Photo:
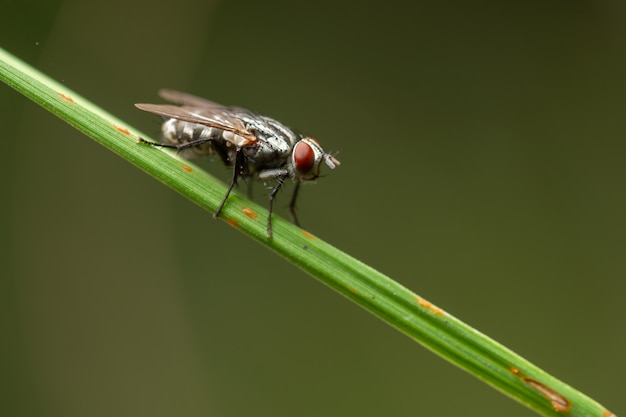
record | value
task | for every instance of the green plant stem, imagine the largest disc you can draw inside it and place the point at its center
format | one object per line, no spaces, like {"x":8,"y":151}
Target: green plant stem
{"x":380,"y":295}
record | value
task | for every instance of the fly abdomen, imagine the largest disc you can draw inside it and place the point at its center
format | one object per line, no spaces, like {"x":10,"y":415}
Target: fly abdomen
{"x":179,"y":132}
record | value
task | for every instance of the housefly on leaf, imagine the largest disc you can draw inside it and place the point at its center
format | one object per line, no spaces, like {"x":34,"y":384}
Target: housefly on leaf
{"x":252,"y":144}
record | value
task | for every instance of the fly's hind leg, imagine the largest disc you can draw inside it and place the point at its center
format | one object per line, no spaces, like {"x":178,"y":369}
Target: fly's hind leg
{"x":179,"y":146}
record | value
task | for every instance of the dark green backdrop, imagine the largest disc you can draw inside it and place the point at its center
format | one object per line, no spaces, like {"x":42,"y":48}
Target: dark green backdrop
{"x":482,"y":149}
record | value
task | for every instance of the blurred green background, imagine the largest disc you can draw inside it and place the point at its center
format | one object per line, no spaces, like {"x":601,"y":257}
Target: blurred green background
{"x":482,"y":149}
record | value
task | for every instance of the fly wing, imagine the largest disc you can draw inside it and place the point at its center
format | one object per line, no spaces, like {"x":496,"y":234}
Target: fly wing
{"x":185,"y":99}
{"x":216,"y":116}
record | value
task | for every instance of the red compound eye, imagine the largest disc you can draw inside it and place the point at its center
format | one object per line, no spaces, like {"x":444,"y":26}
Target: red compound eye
{"x":303,"y":157}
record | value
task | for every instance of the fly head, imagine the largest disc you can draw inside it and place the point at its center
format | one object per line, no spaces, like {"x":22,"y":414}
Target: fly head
{"x":306,"y":158}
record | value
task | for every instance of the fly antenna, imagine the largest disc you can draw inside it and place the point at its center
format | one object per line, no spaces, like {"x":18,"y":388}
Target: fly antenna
{"x":331,"y":161}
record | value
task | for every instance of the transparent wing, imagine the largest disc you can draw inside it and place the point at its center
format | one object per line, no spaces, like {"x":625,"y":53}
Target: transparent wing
{"x":215,"y":115}
{"x":185,"y":99}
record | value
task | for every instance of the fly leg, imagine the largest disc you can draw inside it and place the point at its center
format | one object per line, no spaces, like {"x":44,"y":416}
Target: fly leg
{"x":179,"y":147}
{"x":292,"y":204}
{"x":280,"y":181}
{"x":249,"y":189}
{"x":238,"y":168}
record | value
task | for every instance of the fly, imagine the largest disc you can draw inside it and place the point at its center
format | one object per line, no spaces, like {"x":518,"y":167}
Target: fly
{"x":248,"y":142}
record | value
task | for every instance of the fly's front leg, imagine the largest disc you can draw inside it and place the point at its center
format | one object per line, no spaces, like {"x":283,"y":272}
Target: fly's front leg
{"x":292,"y":205}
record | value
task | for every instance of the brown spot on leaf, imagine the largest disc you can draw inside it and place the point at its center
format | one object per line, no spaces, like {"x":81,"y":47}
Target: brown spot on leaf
{"x":429,"y":306}
{"x":249,"y":212}
{"x":121,"y":129}
{"x":66,"y":98}
{"x":558,"y":401}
